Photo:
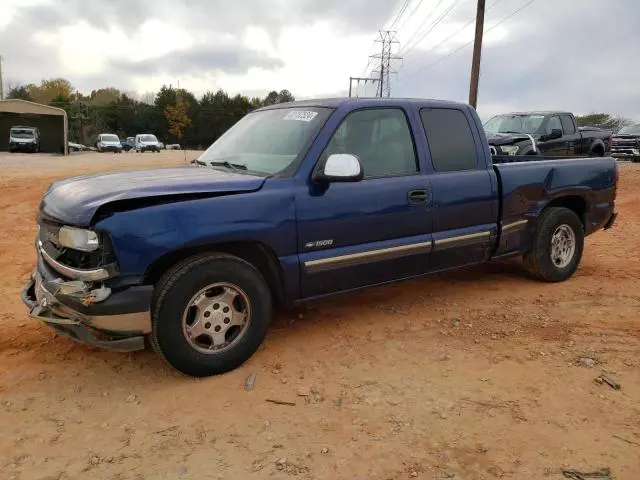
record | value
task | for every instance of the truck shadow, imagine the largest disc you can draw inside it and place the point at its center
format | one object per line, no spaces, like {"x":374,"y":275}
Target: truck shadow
{"x":292,"y":328}
{"x":447,"y":287}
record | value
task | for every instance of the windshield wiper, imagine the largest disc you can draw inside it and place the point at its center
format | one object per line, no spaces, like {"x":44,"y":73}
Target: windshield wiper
{"x":232,"y":166}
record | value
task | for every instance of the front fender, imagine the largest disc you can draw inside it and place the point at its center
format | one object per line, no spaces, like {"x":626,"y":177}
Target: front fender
{"x":140,"y":237}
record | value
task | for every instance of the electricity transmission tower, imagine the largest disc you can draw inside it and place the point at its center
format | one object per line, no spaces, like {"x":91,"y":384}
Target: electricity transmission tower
{"x":384,"y":69}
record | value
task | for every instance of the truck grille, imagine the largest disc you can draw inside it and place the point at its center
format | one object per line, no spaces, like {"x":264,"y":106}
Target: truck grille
{"x":625,"y":143}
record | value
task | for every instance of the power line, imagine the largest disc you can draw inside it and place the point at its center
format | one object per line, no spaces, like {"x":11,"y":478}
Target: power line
{"x":426,"y":67}
{"x":432,"y":27}
{"x":452,"y":35}
{"x":424,"y":22}
{"x":400,"y":13}
{"x":404,"y":22}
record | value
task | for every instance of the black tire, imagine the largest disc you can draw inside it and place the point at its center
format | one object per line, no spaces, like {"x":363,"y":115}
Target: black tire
{"x":171,"y":298}
{"x":539,"y":261}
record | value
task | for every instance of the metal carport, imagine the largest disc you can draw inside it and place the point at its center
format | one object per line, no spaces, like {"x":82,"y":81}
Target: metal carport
{"x":51,"y":121}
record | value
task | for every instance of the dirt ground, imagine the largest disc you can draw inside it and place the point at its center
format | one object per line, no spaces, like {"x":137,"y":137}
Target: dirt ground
{"x":478,"y":374}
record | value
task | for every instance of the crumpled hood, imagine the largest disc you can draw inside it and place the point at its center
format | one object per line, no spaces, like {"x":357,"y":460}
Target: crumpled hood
{"x":505,"y":138}
{"x":75,"y":200}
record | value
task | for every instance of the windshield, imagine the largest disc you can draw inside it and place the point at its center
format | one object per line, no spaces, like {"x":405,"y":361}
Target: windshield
{"x":630,"y":130}
{"x":267,"y":141}
{"x":148,"y":138}
{"x":21,"y":133}
{"x":110,"y":138}
{"x":529,"y":124}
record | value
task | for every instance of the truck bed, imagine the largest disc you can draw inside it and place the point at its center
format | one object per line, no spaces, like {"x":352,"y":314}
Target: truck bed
{"x":529,"y":183}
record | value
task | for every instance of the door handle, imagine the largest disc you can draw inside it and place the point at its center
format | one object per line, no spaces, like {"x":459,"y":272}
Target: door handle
{"x":417,"y":197}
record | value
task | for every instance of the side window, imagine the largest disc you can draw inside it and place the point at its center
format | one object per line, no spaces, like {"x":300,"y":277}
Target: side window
{"x":450,"y":139}
{"x":553,"y":124}
{"x":567,"y":125}
{"x":380,"y":138}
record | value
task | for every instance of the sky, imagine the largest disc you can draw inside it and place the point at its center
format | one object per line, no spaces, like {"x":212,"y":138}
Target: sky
{"x":575,"y":55}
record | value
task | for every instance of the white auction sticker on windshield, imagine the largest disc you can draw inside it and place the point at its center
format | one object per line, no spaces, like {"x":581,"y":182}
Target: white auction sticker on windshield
{"x":301,"y":115}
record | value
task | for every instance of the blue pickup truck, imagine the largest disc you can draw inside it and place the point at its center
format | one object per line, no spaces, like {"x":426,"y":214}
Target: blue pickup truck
{"x":295,"y":202}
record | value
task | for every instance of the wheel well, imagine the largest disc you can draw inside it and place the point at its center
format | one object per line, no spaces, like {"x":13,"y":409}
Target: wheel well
{"x":577,"y":204}
{"x":598,"y":149}
{"x":257,"y":254}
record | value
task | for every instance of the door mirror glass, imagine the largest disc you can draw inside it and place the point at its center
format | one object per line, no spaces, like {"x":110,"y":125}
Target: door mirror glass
{"x":339,"y":167}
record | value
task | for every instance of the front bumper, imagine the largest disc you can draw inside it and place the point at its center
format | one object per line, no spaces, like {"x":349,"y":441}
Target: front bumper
{"x":111,"y":148}
{"x":23,"y":147}
{"x":625,"y":151}
{"x":611,"y":221}
{"x":117,"y":322}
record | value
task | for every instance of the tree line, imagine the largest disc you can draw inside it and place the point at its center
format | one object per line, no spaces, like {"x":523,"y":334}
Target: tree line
{"x":173,"y":115}
{"x":604,"y":121}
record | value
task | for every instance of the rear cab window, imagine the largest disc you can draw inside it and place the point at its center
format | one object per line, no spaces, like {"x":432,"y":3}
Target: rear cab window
{"x":567,"y":124}
{"x":450,"y":139}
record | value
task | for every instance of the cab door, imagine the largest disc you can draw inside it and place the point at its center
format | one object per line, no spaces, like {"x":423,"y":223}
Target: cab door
{"x":376,"y":230}
{"x":556,"y":147}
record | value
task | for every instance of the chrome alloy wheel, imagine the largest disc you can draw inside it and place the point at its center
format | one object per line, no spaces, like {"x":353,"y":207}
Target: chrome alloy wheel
{"x":216,"y":318}
{"x":563,"y":246}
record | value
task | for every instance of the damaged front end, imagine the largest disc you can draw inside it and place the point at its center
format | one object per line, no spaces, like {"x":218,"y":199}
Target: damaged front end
{"x":78,"y":295}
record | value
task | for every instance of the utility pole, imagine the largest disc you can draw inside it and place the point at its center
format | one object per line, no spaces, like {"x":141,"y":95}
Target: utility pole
{"x":477,"y":53}
{"x":382,"y":67}
{"x":388,"y":40}
{"x":358,"y":80}
{"x":1,"y":82}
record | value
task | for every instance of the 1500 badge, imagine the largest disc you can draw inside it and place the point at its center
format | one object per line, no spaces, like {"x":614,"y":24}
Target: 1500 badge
{"x":319,"y":244}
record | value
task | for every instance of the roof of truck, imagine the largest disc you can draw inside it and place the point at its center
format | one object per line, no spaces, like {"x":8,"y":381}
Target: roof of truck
{"x":539,"y":112}
{"x":360,"y":101}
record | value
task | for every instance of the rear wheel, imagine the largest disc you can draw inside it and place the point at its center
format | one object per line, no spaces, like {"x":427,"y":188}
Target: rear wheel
{"x":557,"y":248}
{"x":210,"y":314}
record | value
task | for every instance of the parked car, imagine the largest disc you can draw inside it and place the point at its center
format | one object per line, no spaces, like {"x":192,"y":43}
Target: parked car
{"x":76,"y":147}
{"x":161,"y":146}
{"x":299,"y":201}
{"x":24,"y":139}
{"x":147,"y":142}
{"x":127,"y":145}
{"x":108,"y":142}
{"x":544,"y":133}
{"x":626,"y":143}
{"x":173,"y":146}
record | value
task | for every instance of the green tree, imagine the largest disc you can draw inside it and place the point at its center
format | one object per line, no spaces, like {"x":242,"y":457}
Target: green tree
{"x":20,"y":92}
{"x":603,"y":120}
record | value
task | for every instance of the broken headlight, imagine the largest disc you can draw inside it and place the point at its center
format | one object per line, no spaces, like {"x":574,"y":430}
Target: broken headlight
{"x":78,"y":239}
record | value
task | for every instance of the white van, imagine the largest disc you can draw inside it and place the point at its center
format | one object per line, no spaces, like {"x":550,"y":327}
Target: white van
{"x":25,"y":139}
{"x":108,"y":142}
{"x":147,"y":142}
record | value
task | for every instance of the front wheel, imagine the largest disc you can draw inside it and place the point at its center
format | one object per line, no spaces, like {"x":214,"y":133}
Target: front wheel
{"x":210,"y":314}
{"x":557,"y":248}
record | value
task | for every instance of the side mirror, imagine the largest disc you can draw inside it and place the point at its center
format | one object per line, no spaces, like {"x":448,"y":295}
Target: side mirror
{"x":555,"y":133}
{"x":339,"y":167}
